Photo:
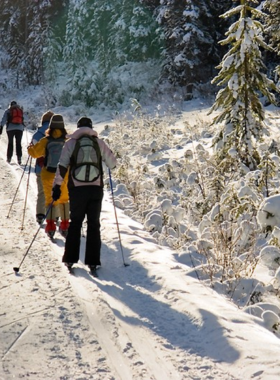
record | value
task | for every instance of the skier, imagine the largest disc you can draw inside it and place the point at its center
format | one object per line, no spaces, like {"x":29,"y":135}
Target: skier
{"x":40,"y":205}
{"x":13,"y":118}
{"x":50,"y":148}
{"x":85,"y":185}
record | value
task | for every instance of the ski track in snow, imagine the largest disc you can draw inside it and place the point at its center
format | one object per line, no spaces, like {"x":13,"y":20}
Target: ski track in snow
{"x":84,"y":327}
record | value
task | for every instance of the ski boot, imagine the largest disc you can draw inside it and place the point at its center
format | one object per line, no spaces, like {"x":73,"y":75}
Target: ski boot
{"x":92,"y":270}
{"x":69,"y":266}
{"x":63,"y":228}
{"x":50,"y":228}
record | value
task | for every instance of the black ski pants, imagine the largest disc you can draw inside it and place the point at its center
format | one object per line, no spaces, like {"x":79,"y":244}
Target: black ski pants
{"x":18,"y":137}
{"x":84,"y":201}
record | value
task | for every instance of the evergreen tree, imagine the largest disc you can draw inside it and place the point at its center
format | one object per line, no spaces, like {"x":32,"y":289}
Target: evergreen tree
{"x":36,"y":34}
{"x":101,"y":30}
{"x":241,"y":72}
{"x":191,"y":39}
{"x":272,"y":25}
{"x":151,"y":4}
{"x":86,"y":41}
{"x":217,"y":28}
{"x":25,"y":26}
{"x":135,"y":35}
{"x":75,"y":52}
{"x":14,"y":16}
{"x":102,"y":36}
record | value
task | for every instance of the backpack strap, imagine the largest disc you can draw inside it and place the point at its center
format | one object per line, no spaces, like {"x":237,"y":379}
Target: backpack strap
{"x":46,"y":151}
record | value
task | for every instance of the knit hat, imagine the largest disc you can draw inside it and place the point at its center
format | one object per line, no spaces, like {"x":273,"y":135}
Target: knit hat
{"x":13,"y":103}
{"x":57,"y":122}
{"x":47,"y":116}
{"x":84,"y":122}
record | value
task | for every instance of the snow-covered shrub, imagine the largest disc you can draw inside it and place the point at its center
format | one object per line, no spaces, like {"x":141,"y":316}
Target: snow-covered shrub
{"x":153,"y":221}
{"x":268,"y":215}
{"x":271,"y":321}
{"x":263,"y":311}
{"x":270,"y":256}
{"x":275,"y":237}
{"x":218,"y":200}
{"x":276,"y":280}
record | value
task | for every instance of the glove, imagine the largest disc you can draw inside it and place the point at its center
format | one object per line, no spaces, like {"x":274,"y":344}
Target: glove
{"x":56,"y":192}
{"x":1,"y":129}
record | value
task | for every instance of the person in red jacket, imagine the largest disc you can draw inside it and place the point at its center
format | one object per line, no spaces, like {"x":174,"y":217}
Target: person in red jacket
{"x":13,"y":118}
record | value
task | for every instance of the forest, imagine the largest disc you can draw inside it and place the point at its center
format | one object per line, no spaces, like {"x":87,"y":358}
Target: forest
{"x":97,"y":42}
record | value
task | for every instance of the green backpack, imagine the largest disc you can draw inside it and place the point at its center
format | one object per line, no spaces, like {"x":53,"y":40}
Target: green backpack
{"x":86,"y":161}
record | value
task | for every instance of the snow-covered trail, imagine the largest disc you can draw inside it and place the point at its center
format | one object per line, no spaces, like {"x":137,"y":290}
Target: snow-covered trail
{"x":146,"y":321}
{"x":57,"y":326}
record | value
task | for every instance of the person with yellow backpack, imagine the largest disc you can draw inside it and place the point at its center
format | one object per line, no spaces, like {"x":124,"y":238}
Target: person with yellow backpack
{"x":50,"y":148}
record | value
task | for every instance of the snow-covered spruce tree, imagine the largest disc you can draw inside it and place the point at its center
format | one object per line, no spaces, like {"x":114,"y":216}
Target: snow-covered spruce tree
{"x":243,"y":80}
{"x":87,"y":53}
{"x":35,"y":44}
{"x":151,"y":4}
{"x":272,"y":26}
{"x":100,"y":26}
{"x":75,"y":52}
{"x":217,"y":27}
{"x":191,"y":51}
{"x":14,"y":34}
{"x":24,"y":35}
{"x":103,"y":40}
{"x":46,"y":31}
{"x":135,"y":34}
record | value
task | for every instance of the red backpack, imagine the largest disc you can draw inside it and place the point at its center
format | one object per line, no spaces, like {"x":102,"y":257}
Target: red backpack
{"x":16,"y":115}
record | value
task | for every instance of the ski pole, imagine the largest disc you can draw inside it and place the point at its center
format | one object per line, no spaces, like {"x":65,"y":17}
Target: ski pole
{"x":27,"y":187}
{"x":111,"y":185}
{"x":29,"y":157}
{"x":83,"y":232}
{"x":16,"y":269}
{"x":26,"y":133}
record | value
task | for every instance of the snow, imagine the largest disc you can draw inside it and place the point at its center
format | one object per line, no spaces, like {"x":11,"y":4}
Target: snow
{"x":269,"y":212}
{"x":156,"y":319}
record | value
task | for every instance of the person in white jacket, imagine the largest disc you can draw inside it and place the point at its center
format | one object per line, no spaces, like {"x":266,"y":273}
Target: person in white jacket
{"x":85,"y":192}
